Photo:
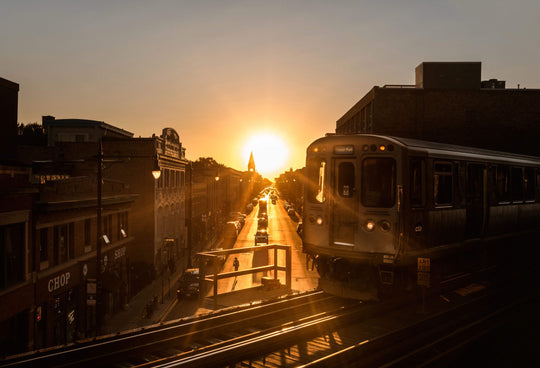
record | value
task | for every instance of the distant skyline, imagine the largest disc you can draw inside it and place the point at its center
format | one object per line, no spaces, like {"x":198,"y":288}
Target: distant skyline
{"x":223,"y":74}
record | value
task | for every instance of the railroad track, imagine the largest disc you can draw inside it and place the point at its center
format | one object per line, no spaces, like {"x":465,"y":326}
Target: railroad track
{"x":312,"y":329}
{"x":390,"y":334}
{"x":138,"y":347}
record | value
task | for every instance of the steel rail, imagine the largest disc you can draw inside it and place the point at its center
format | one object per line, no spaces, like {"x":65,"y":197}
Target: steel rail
{"x":253,"y":345}
{"x":427,"y":342}
{"x":112,"y":345}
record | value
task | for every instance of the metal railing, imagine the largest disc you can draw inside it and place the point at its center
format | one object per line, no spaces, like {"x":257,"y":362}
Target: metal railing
{"x":212,"y":276}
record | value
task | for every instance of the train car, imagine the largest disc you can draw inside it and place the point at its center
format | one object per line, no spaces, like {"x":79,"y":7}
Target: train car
{"x":375,"y":205}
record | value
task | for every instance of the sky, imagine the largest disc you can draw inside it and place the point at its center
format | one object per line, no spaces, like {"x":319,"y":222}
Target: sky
{"x":232,"y":77}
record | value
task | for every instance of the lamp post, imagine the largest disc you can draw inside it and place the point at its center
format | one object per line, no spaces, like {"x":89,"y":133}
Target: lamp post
{"x":99,"y":235}
{"x":156,"y":173}
{"x":189,"y":214}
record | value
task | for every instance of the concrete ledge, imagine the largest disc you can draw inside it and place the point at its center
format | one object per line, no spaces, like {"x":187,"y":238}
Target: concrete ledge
{"x":249,"y":295}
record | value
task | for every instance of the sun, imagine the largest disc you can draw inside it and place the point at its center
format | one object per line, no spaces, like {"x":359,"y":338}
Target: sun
{"x":269,"y":152}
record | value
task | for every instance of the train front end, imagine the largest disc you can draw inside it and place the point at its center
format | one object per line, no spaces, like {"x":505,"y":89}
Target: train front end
{"x":351,"y":213}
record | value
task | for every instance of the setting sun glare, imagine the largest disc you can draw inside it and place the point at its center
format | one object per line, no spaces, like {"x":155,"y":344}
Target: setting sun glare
{"x":269,"y":152}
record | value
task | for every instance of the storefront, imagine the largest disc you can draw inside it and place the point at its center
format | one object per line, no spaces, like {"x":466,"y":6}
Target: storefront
{"x":57,"y":307}
{"x":114,"y":280}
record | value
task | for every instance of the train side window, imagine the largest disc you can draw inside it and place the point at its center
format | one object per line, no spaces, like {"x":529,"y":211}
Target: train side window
{"x":530,"y":184}
{"x":442,"y":184}
{"x":378,"y":182}
{"x":492,"y":185}
{"x":316,"y":175}
{"x":417,"y":171}
{"x":503,"y":184}
{"x":537,"y":185}
{"x":346,"y":179}
{"x":517,"y":184}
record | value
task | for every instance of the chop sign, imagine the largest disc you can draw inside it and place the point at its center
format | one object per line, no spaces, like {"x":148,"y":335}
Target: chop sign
{"x":58,"y":282}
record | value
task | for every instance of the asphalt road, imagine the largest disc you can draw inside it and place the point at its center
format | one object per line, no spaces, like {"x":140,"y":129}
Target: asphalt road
{"x":282,"y":230}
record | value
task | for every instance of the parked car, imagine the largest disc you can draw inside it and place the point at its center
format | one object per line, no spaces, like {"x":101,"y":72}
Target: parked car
{"x":188,"y":284}
{"x":292,"y":214}
{"x":239,"y":217}
{"x":299,"y":228}
{"x":261,"y":236}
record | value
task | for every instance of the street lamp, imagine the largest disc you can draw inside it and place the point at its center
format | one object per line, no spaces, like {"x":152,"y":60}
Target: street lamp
{"x":189,"y":209}
{"x":156,"y":171}
{"x":99,"y":236}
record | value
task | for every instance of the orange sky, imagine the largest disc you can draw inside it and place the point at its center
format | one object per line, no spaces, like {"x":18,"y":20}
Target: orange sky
{"x":220,"y":72}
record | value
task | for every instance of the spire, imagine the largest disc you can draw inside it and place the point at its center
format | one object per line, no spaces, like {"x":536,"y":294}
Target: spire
{"x":251,"y":163}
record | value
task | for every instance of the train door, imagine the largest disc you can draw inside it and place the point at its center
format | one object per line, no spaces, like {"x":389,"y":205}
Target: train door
{"x":475,"y":190}
{"x":415,"y":219}
{"x":345,"y":203}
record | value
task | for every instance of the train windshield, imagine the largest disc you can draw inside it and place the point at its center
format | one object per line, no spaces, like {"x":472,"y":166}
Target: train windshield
{"x":378,"y":182}
{"x":316,"y":171}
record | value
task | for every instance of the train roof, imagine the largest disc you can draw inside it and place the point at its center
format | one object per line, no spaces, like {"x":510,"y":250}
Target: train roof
{"x":441,"y":149}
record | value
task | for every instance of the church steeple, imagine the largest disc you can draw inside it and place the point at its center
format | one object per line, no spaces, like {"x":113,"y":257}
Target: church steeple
{"x":251,"y":163}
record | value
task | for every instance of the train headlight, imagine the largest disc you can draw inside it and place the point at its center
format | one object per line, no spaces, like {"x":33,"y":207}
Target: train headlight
{"x":370,"y":225}
{"x":319,"y":220}
{"x":385,"y":225}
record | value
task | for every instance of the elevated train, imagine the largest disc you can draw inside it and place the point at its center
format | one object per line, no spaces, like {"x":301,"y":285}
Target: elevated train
{"x":374,"y":205}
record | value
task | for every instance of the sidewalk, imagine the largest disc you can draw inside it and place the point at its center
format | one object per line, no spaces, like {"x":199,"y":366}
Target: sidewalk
{"x":135,"y":315}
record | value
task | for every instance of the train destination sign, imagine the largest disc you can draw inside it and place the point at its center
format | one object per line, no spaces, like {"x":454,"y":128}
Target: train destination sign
{"x":344,"y":150}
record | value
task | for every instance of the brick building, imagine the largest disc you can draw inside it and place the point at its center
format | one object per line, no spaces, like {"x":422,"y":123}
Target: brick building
{"x":48,"y":243}
{"x":158,"y":214}
{"x":449,"y":103}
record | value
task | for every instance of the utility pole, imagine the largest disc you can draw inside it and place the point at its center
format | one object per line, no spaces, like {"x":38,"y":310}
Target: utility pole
{"x":189,"y":214}
{"x":99,"y":237}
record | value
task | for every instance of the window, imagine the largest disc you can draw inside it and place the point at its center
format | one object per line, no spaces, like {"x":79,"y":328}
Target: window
{"x":88,"y":233}
{"x":346,"y":179}
{"x":417,"y":168}
{"x":12,"y":250}
{"x":503,"y":184}
{"x":316,"y":174}
{"x":442,"y":184}
{"x":378,"y":182}
{"x":529,"y":179}
{"x":43,"y":245}
{"x":517,"y":184}
{"x":538,"y":185}
{"x":64,"y":247}
{"x":61,"y":243}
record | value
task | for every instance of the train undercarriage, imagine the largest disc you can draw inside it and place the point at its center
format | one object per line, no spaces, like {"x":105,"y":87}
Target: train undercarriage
{"x":371,"y":282}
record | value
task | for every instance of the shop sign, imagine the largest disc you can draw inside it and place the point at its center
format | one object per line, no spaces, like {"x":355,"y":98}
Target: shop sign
{"x":58,"y":282}
{"x":119,"y":253}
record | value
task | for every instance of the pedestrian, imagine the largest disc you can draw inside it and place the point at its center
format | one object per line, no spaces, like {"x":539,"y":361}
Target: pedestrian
{"x":236,"y":264}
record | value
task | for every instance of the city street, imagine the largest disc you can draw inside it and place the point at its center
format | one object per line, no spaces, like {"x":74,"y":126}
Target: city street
{"x":281,"y":230}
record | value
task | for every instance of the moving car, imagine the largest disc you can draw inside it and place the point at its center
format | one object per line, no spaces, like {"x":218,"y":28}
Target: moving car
{"x":261,"y":236}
